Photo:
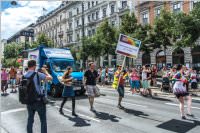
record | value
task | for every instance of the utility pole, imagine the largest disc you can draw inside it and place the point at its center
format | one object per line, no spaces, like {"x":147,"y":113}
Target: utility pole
{"x":83,"y":31}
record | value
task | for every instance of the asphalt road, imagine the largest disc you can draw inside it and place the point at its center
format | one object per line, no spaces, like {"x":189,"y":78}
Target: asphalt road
{"x":142,"y":115}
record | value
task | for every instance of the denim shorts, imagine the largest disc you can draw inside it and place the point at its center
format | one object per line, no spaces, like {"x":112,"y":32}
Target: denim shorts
{"x":12,"y":81}
{"x":135,"y":84}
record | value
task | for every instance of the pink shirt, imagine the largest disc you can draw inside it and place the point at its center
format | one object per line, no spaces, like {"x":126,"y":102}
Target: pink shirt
{"x":4,"y":75}
{"x":134,"y":76}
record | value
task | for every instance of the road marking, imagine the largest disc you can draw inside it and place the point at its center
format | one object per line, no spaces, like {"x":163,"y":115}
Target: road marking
{"x":13,"y":111}
{"x":85,"y":116}
{"x":125,"y":102}
{"x":173,"y":104}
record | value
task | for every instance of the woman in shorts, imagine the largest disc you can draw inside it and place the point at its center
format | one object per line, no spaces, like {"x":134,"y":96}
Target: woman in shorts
{"x":179,"y":89}
{"x":135,"y":81}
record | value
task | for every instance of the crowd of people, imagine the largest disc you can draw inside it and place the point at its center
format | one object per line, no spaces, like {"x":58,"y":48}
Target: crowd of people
{"x":139,"y":79}
{"x":10,"y":77}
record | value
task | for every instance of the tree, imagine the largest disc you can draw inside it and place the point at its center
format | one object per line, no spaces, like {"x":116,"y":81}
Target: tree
{"x":12,"y":50}
{"x":44,"y":40}
{"x":163,"y":30}
{"x":11,"y":54}
{"x":106,"y":38}
{"x":129,"y":24}
{"x":185,"y":30}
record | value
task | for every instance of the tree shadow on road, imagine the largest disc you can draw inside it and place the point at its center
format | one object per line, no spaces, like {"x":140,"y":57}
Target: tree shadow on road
{"x":106,"y":116}
{"x":79,"y":122}
{"x":179,"y":126}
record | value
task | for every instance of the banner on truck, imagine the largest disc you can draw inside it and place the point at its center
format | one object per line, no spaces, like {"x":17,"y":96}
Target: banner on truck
{"x":128,"y":46}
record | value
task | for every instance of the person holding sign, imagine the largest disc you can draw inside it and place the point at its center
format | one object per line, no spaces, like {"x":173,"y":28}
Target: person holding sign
{"x":179,"y":89}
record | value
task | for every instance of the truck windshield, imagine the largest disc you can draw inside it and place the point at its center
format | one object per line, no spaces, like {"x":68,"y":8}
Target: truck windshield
{"x":61,"y":65}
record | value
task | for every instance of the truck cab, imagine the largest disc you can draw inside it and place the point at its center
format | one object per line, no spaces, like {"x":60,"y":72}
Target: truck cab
{"x":57,"y":60}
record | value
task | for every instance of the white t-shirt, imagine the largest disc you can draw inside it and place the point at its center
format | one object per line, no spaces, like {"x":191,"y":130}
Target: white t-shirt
{"x":144,"y":75}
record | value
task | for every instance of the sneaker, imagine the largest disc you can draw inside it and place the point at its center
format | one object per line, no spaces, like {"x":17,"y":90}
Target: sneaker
{"x":183,"y":117}
{"x":92,"y":109}
{"x":74,"y":114}
{"x":61,"y":112}
{"x":190,"y":115}
{"x":120,"y":107}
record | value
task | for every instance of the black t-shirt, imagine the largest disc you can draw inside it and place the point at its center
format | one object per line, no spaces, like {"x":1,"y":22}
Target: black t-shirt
{"x":91,"y":77}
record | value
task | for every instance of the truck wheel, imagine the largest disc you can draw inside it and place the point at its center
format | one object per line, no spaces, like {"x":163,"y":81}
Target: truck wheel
{"x":54,"y":92}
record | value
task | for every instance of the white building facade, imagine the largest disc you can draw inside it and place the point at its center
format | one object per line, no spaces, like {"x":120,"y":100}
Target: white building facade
{"x":68,"y":23}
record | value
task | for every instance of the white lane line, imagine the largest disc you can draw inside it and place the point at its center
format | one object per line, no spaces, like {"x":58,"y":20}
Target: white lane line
{"x":85,"y":116}
{"x":173,"y":104}
{"x":125,"y":102}
{"x":13,"y":111}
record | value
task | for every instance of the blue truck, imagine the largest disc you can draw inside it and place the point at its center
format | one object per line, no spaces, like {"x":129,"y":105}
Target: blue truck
{"x":56,"y":60}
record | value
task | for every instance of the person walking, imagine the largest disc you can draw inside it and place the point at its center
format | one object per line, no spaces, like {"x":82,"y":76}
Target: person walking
{"x":12,"y":77}
{"x":91,"y":77}
{"x":135,"y":81}
{"x":38,"y":106}
{"x":145,"y":83}
{"x":4,"y":81}
{"x":103,"y":76}
{"x":180,"y":91}
{"x":120,"y":89}
{"x":154,"y":75}
{"x":68,"y":90}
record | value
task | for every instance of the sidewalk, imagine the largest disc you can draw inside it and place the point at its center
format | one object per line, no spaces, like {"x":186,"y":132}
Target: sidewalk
{"x":157,"y":92}
{"x":3,"y":130}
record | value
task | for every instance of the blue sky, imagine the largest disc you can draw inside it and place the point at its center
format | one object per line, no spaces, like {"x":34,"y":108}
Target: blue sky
{"x":15,"y":18}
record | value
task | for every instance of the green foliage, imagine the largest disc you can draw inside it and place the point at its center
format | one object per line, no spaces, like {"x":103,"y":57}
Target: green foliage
{"x":12,"y":50}
{"x":44,"y":40}
{"x":106,"y":38}
{"x":129,"y":24}
{"x":163,"y":29}
{"x":11,"y":54}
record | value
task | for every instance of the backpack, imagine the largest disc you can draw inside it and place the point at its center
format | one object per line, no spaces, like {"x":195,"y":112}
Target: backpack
{"x":27,"y":91}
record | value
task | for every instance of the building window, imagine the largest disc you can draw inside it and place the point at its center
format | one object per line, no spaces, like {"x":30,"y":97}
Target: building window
{"x":70,"y":25}
{"x":93,"y":31}
{"x":97,"y":15}
{"x":112,"y":9}
{"x":88,"y":4}
{"x":145,"y":18}
{"x":93,"y":16}
{"x":124,"y":4}
{"x":113,"y":23}
{"x":96,"y":2}
{"x":104,"y":12}
{"x":177,"y":7}
{"x":88,"y":18}
{"x":77,"y":23}
{"x":70,"y":14}
{"x":89,"y":33}
{"x":77,"y":10}
{"x":157,"y":12}
{"x":60,"y":17}
{"x":78,"y":37}
{"x":92,"y":3}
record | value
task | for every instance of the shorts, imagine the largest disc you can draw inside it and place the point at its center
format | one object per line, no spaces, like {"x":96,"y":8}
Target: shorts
{"x":121,"y":90}
{"x":182,"y":95}
{"x":90,"y":89}
{"x":12,"y":81}
{"x":145,"y":84}
{"x":135,"y":84}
